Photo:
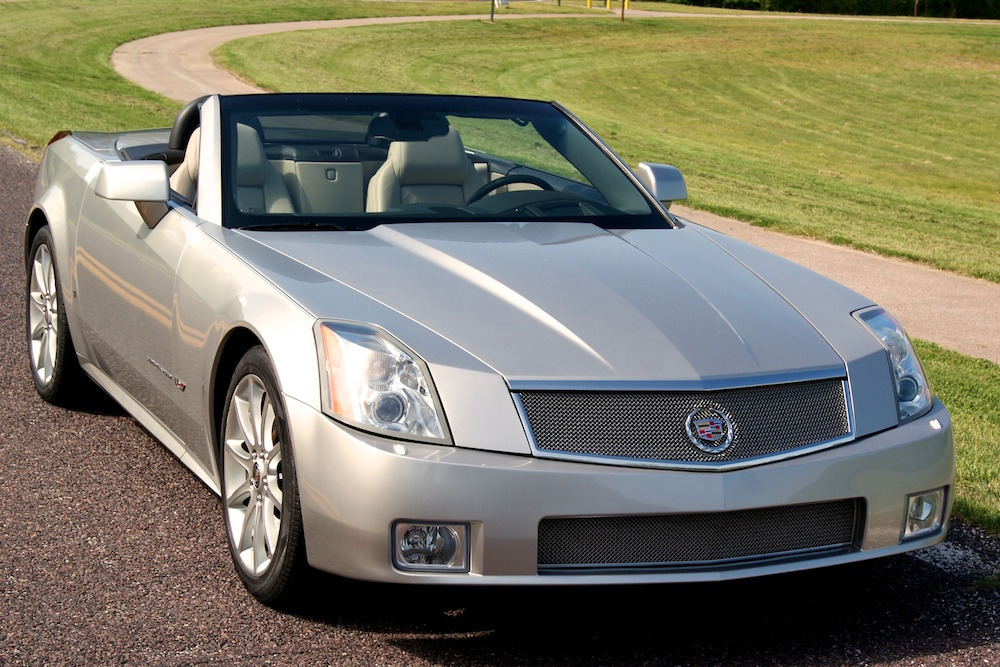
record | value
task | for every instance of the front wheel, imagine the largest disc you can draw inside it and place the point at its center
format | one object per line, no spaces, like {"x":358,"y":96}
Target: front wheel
{"x":259,"y":490}
{"x":54,"y":366}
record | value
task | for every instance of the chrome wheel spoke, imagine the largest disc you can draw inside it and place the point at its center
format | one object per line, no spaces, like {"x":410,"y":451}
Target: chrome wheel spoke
{"x":272,"y":488}
{"x":49,"y":343}
{"x":36,"y":297}
{"x":238,"y":496}
{"x":40,"y":351}
{"x":47,"y":273}
{"x":272,"y":459}
{"x":39,"y":331}
{"x":273,"y":493}
{"x":44,"y":363}
{"x":261,"y":557}
{"x":244,"y":540}
{"x":265,"y":415}
{"x":255,"y":409}
{"x":236,"y":453}
{"x":271,"y":517}
{"x":244,"y":420}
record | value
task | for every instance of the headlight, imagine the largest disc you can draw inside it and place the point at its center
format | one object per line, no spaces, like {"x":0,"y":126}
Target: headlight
{"x":372,"y":381}
{"x":912,"y":389}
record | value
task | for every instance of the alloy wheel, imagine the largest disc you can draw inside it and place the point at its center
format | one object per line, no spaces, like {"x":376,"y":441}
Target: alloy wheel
{"x":43,"y":315}
{"x":253,"y":476}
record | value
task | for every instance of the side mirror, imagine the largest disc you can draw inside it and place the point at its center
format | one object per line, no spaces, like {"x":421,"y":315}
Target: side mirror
{"x":665,"y":182}
{"x":140,"y":180}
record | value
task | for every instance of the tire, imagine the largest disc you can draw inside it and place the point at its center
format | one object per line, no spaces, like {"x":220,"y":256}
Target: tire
{"x":260,"y":501}
{"x":55,"y":368}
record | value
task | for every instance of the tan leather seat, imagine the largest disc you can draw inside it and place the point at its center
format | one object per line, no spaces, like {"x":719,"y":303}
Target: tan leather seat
{"x":184,"y":180}
{"x":259,"y":188}
{"x":436,"y":171}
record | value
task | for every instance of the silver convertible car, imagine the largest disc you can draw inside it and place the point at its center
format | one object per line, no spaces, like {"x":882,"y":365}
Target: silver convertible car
{"x":457,"y":340}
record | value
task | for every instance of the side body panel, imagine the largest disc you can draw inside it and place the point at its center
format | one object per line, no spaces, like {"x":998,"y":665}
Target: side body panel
{"x":125,"y":278}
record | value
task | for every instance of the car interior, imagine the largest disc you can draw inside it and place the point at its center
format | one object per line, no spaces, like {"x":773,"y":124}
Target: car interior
{"x":400,"y":163}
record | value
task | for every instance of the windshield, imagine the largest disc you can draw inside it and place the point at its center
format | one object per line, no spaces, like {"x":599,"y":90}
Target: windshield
{"x":356,"y":161}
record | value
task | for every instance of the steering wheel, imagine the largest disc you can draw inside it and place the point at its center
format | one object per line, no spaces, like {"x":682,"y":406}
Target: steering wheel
{"x":507,"y":180}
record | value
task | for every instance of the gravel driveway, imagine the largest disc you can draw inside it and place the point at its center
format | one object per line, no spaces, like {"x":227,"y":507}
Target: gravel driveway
{"x":112,"y":552}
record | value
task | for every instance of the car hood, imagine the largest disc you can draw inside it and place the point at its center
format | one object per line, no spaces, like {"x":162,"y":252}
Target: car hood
{"x":543,"y":303}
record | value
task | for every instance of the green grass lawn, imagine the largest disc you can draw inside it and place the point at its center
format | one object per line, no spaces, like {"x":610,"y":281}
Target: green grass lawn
{"x":616,"y":7}
{"x":671,"y":7}
{"x":881,"y":136}
{"x":54,"y":56}
{"x":971,"y":390}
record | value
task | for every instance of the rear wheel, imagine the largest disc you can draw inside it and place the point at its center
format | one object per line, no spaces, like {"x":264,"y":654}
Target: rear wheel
{"x":259,"y":490}
{"x":54,"y":366}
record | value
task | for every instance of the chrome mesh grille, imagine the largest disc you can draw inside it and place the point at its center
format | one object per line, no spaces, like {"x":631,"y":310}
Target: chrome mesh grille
{"x":651,"y":426}
{"x":679,"y":541}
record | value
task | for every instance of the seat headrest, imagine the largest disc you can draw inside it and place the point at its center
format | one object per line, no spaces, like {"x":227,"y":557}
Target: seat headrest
{"x":413,"y":126}
{"x":192,"y":155}
{"x":437,"y":161}
{"x":251,"y":161}
{"x":380,"y":131}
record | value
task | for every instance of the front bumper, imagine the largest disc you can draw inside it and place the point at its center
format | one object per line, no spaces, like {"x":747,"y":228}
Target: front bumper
{"x":353,"y":486}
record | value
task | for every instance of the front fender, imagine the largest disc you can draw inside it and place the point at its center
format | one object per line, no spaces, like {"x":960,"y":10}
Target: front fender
{"x":61,"y":188}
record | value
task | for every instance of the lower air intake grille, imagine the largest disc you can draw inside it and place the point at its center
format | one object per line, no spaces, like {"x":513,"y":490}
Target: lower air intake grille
{"x":685,"y":541}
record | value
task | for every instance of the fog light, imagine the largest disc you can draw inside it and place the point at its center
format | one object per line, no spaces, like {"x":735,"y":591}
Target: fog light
{"x":924,"y":514}
{"x":431,"y":547}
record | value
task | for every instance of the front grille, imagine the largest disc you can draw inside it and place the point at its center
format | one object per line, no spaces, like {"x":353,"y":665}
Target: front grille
{"x":674,"y":542}
{"x":651,"y":426}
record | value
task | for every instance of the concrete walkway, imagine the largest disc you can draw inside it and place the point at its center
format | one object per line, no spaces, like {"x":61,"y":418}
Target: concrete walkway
{"x":956,"y":312}
{"x":179,"y":65}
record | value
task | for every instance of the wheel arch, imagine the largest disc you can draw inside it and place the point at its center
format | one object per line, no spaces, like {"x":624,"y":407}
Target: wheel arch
{"x":36,"y":220}
{"x":236,"y":344}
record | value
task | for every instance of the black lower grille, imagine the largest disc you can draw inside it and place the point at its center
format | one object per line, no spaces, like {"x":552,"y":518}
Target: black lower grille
{"x":683,"y":541}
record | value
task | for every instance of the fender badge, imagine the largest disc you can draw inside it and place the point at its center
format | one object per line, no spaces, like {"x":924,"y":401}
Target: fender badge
{"x":170,"y":376}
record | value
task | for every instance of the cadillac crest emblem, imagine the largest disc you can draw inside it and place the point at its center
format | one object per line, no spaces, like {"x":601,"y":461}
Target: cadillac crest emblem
{"x":710,"y":430}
